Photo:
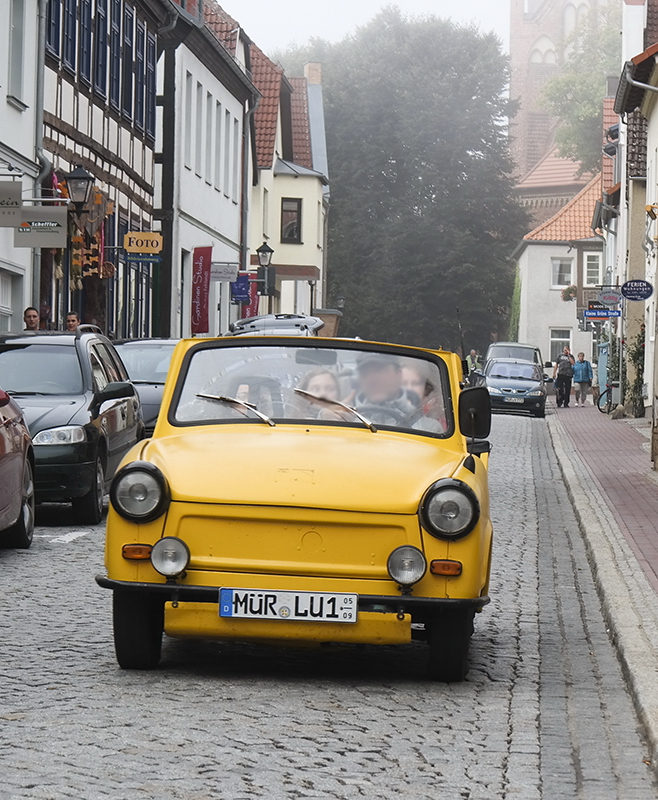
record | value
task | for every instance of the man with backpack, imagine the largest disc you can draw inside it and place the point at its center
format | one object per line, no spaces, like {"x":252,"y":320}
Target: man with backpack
{"x":562,"y":375}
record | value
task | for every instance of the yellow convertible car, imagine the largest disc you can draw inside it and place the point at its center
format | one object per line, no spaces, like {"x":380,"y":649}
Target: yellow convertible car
{"x":305,"y":490}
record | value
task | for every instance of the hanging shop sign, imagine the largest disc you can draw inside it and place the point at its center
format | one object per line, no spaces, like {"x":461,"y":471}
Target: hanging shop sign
{"x":637,"y":290}
{"x":41,"y":226}
{"x":201,"y":260}
{"x":224,"y":271}
{"x":11,"y":203}
{"x":142,"y":242}
{"x":611,"y":297}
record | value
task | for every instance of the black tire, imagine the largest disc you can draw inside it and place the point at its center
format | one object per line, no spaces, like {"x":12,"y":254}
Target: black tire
{"x":21,"y":533}
{"x":603,"y":407}
{"x":449,"y":642}
{"x":138,"y":627}
{"x":89,"y":508}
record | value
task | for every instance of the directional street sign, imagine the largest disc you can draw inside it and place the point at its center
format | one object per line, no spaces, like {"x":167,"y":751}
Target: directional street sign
{"x":597,"y":313}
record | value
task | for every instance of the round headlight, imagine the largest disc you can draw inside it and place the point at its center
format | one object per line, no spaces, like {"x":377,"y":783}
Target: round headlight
{"x":450,"y":509}
{"x":139,"y":492}
{"x":170,"y":556}
{"x":406,"y":565}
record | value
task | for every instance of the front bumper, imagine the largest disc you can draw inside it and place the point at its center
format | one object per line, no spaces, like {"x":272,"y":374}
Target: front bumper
{"x":60,"y":482}
{"x":192,"y":611}
{"x":500,"y":402}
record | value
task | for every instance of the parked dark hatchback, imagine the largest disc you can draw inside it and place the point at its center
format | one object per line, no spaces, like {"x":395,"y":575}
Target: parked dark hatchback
{"x":147,"y":362}
{"x":516,"y":385}
{"x":82,"y":411}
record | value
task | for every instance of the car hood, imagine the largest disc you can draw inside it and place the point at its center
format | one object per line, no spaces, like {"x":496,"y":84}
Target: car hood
{"x":314,"y":467}
{"x":514,"y":383}
{"x":49,"y":411}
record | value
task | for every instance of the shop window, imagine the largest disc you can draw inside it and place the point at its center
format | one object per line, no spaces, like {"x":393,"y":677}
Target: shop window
{"x":291,"y":220}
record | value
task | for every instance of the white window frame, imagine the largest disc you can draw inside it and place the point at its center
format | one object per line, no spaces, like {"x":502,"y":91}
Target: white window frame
{"x":554,"y":261}
{"x":561,"y":339}
{"x":586,"y":256}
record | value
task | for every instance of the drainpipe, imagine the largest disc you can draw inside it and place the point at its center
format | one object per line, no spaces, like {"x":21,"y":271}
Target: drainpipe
{"x":44,"y":161}
{"x":244,"y":214}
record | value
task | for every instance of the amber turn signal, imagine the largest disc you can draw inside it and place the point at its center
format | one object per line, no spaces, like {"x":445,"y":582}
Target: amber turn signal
{"x":137,"y":552}
{"x":446,"y":567}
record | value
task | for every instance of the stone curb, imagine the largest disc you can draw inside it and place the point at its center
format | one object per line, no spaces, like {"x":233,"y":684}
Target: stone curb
{"x":630,"y":604}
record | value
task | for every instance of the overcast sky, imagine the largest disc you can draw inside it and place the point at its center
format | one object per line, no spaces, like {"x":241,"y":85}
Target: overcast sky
{"x":274,"y":24}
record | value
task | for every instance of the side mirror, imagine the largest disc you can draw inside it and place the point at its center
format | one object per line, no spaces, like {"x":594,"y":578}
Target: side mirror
{"x":548,"y":364}
{"x":475,"y":412}
{"x":115,"y":391}
{"x":4,"y":398}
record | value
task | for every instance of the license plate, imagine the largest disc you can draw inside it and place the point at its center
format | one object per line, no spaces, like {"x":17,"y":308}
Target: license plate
{"x":306,"y":606}
{"x":513,"y":399}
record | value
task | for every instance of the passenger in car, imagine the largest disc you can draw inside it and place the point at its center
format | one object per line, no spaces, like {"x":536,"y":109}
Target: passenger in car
{"x":322,"y":383}
{"x":382,"y":396}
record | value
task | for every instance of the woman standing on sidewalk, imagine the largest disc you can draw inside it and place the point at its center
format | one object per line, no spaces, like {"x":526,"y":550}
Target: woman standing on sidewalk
{"x":583,"y":375}
{"x":562,"y":375}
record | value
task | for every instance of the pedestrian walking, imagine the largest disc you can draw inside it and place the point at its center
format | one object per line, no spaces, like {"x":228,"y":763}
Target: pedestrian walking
{"x":583,"y":375}
{"x":562,"y":375}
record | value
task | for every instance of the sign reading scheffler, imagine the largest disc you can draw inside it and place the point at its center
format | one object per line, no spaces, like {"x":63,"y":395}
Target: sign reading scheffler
{"x":41,"y":226}
{"x":10,"y":203}
{"x":201,"y":260}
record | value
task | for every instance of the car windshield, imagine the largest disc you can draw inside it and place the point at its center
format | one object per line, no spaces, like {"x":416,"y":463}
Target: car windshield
{"x":40,"y":369}
{"x":387,"y":389}
{"x":512,"y":351}
{"x":148,"y":362}
{"x":522,"y":372}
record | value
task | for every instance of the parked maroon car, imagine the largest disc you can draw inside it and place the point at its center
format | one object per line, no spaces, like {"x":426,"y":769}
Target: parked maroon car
{"x":16,"y":476}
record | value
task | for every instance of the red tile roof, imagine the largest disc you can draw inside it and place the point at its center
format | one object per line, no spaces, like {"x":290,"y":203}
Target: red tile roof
{"x":267,"y":78}
{"x":573,"y":222}
{"x":301,"y":131}
{"x":554,"y":170}
{"x":225,"y":28}
{"x":609,"y":119}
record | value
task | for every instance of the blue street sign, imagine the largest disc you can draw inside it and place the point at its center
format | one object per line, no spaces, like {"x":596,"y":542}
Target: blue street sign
{"x":240,"y":289}
{"x":145,"y":258}
{"x":637,"y":290}
{"x":598,"y":313}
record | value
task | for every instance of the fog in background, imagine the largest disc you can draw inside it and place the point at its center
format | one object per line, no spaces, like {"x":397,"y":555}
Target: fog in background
{"x":275,"y":24}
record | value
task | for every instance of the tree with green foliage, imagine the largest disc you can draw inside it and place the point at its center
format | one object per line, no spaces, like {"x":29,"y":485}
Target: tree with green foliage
{"x":423,"y":218}
{"x":575,"y":96}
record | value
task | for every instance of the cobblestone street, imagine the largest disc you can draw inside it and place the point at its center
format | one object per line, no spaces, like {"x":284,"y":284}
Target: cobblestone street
{"x":544,"y":714}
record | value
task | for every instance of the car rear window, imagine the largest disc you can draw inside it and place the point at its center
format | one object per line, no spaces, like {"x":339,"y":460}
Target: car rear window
{"x":40,"y":369}
{"x":149,"y":363}
{"x":390,"y":390}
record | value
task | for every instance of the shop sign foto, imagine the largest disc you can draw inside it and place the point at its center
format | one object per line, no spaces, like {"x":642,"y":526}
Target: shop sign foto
{"x":11,"y":203}
{"x":41,"y":226}
{"x":146,"y":242}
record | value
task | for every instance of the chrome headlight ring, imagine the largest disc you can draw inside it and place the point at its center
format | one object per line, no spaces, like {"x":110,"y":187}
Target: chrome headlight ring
{"x":450,"y":509}
{"x":140,"y":492}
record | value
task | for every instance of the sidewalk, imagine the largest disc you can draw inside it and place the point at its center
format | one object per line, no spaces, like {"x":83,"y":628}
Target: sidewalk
{"x":607,"y":470}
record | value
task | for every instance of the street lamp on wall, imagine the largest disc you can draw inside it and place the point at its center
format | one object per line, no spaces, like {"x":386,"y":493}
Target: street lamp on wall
{"x":79,"y":183}
{"x":264,"y":254}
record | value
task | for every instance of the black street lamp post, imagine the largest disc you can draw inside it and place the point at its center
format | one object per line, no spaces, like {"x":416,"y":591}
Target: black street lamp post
{"x":79,"y":183}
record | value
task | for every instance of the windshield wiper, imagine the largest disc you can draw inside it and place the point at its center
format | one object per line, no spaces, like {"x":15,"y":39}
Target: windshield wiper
{"x":319,"y":400}
{"x":233,"y":401}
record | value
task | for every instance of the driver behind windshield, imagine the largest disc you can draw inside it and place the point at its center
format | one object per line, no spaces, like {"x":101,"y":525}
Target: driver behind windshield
{"x":380,"y":390}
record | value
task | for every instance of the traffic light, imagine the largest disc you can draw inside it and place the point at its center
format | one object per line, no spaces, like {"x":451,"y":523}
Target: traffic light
{"x":266,"y":281}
